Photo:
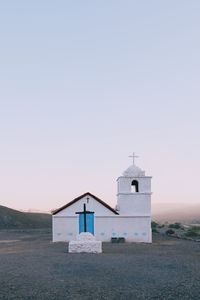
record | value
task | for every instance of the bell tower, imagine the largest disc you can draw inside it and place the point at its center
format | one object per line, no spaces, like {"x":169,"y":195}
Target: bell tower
{"x":134,"y":192}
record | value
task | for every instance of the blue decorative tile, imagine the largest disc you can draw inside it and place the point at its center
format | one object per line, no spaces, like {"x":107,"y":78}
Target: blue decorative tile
{"x":136,"y":233}
{"x":144,"y":233}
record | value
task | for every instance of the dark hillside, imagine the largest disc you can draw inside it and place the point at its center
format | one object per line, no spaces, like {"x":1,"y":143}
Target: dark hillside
{"x":13,"y":219}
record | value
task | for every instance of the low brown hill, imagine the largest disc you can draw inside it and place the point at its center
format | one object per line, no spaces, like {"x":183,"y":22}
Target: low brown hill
{"x":14,"y":219}
{"x":185,"y":213}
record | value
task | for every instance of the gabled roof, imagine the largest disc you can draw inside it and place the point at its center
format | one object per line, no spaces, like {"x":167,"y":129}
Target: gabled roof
{"x":80,"y":197}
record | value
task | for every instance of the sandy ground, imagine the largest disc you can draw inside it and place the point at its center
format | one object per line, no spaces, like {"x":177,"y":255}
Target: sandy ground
{"x":32,"y":267}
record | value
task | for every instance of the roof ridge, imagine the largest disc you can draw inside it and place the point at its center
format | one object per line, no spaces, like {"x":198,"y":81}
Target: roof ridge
{"x":81,"y":196}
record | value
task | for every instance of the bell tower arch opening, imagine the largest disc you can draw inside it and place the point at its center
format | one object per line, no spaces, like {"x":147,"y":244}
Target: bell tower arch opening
{"x":134,"y":186}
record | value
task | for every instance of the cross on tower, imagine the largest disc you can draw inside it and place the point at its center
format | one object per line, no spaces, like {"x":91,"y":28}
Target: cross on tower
{"x":133,"y":157}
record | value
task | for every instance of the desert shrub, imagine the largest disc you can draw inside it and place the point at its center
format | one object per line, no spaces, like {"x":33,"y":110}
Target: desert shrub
{"x":170,"y":231}
{"x":154,"y":224}
{"x":194,"y":231}
{"x":161,"y":226}
{"x":176,"y":226}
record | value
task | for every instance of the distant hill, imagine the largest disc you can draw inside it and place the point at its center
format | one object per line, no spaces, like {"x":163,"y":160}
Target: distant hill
{"x":184,"y":213}
{"x":14,"y":219}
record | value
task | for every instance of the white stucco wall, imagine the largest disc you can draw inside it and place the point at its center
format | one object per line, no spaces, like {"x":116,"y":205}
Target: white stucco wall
{"x":64,"y":229}
{"x":133,"y":229}
{"x":134,"y":204}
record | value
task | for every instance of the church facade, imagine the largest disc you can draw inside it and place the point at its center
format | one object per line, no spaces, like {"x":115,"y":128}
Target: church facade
{"x":131,"y":219}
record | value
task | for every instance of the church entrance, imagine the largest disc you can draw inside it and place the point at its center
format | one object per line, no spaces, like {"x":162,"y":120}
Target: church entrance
{"x":89,"y":223}
{"x":86,"y":220}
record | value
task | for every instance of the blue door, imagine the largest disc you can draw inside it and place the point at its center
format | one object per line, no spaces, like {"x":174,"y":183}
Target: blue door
{"x":89,"y":223}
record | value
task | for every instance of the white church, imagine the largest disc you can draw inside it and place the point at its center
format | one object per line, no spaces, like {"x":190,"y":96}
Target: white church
{"x":130,"y":220}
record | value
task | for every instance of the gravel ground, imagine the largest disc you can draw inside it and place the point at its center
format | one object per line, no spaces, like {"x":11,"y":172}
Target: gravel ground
{"x":31,"y":267}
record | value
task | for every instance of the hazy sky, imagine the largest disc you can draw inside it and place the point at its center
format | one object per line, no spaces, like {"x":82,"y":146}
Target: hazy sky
{"x":85,"y":83}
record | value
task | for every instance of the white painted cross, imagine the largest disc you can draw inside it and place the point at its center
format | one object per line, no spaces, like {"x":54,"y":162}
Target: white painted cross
{"x":133,"y":157}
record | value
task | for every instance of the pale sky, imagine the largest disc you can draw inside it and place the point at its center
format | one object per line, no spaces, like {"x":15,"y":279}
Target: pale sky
{"x":83,"y":84}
